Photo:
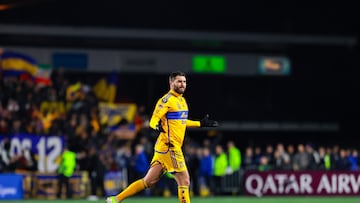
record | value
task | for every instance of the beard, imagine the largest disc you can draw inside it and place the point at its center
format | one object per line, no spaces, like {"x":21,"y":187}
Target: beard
{"x":179,"y":90}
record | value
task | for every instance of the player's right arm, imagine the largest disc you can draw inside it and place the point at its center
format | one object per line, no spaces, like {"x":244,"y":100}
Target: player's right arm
{"x":160,"y":110}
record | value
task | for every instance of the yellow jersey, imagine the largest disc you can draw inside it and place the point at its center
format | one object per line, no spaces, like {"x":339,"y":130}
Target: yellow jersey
{"x":172,"y":111}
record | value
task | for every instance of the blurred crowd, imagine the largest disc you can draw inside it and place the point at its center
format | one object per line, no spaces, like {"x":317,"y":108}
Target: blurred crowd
{"x":99,"y":150}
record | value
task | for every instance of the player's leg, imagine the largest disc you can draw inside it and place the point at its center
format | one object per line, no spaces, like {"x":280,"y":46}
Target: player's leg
{"x":60,"y":183}
{"x":153,"y":175}
{"x":68,"y":188}
{"x":183,"y":182}
{"x":181,"y":175}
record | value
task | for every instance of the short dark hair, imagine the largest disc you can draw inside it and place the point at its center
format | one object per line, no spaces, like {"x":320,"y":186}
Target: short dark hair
{"x":173,"y":75}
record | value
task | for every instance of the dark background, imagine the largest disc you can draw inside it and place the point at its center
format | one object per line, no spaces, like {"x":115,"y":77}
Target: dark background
{"x":298,"y":17}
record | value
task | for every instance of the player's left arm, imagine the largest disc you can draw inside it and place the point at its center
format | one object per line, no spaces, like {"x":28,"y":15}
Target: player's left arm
{"x":192,"y":123}
{"x":205,"y":122}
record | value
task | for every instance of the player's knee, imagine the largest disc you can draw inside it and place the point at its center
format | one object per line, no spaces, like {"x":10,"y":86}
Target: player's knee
{"x":187,"y":182}
{"x":184,"y":182}
{"x":150,"y":183}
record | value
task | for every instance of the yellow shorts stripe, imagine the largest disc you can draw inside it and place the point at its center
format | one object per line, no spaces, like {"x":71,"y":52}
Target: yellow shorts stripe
{"x":173,"y":159}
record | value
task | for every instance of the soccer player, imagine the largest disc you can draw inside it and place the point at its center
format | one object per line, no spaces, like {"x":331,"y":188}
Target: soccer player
{"x":170,"y":119}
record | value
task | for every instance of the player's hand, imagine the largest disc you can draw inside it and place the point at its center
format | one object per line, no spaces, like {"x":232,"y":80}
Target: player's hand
{"x":159,"y":128}
{"x":156,"y":130}
{"x":205,"y":122}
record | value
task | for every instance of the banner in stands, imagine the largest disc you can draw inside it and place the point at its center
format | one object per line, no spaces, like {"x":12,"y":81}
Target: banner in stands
{"x":11,"y":186}
{"x":319,"y":183}
{"x":112,"y":114}
{"x":47,"y":149}
{"x":60,"y":107}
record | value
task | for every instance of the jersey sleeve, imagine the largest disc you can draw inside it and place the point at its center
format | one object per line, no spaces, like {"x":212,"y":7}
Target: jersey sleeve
{"x":191,"y":123}
{"x":160,"y":110}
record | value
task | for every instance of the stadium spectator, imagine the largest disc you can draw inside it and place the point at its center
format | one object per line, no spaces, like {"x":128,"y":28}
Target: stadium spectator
{"x":257,"y":155}
{"x":234,"y":156}
{"x":206,"y":169}
{"x":220,"y":166}
{"x":335,"y":156}
{"x":314,"y":159}
{"x":123,"y":160}
{"x":264,"y":164}
{"x":249,"y":161}
{"x":343,"y":163}
{"x":193,"y":161}
{"x":354,"y":160}
{"x":322,"y":158}
{"x":290,"y":149}
{"x":66,"y":170}
{"x":141,"y":161}
{"x":282,"y":160}
{"x":301,"y":159}
{"x":96,"y":171}
{"x":3,"y":126}
{"x":269,"y":153}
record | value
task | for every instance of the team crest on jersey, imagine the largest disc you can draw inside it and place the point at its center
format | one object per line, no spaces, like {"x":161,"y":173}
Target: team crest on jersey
{"x":178,"y":105}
